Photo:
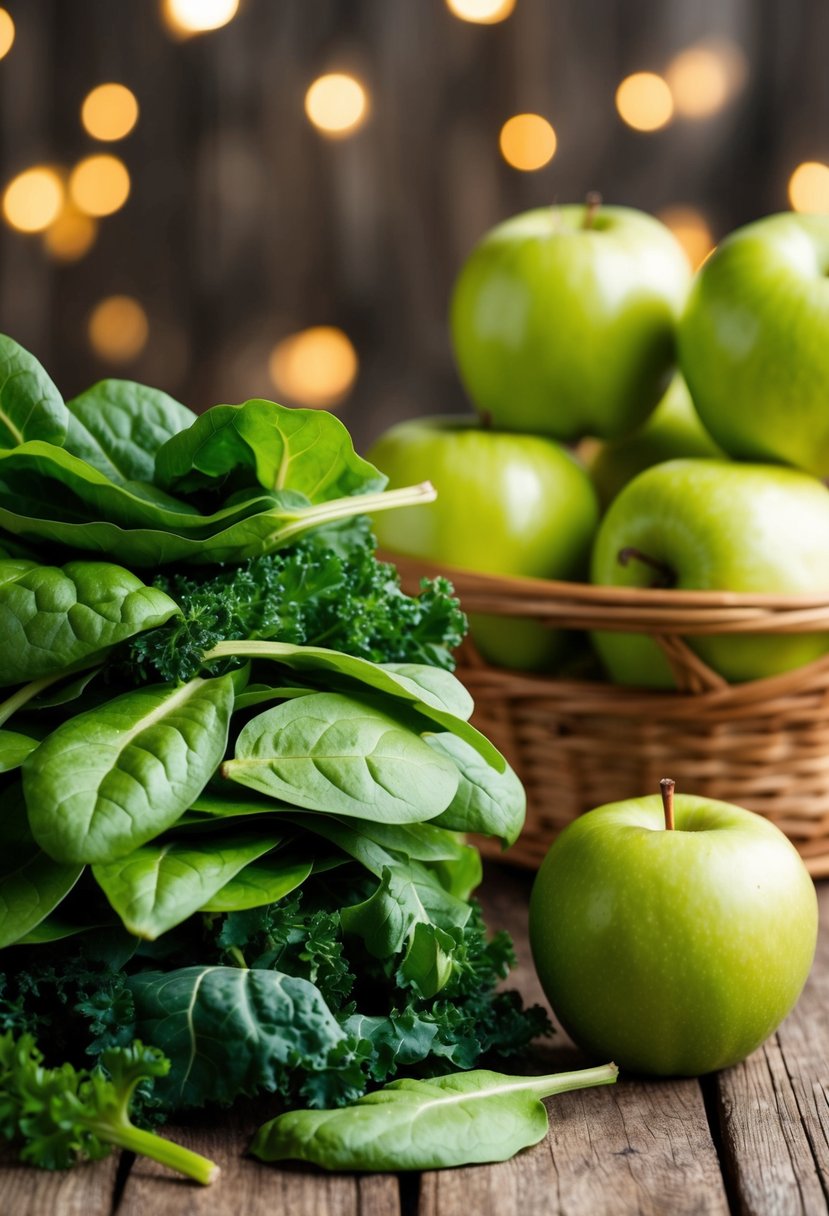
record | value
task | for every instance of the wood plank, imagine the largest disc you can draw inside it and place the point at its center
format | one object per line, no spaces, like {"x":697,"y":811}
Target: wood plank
{"x":773,"y":1108}
{"x":248,"y":1186}
{"x":87,"y":1190}
{"x":632,"y":1148}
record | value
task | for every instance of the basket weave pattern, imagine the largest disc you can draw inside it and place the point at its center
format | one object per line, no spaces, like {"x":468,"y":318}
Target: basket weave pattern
{"x":577,"y":744}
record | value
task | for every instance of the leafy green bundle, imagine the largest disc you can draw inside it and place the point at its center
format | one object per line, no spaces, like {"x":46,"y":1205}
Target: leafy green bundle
{"x":232,"y":799}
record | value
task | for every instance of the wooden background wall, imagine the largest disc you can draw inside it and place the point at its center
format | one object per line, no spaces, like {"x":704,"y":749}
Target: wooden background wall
{"x":245,"y":224}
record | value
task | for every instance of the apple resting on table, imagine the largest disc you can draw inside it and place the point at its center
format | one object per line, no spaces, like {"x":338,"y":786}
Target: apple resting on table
{"x":754,"y":342}
{"x":717,"y":526}
{"x":676,"y":951}
{"x":506,"y":504}
{"x":563,"y":320}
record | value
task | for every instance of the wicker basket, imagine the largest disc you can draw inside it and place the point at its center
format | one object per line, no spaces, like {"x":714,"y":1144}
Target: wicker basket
{"x":578,"y":744}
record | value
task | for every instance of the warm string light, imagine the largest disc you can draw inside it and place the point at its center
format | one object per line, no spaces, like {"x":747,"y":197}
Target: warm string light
{"x":691,"y":229}
{"x":481,"y":12}
{"x":71,"y":235}
{"x":644,"y":101}
{"x":704,"y":77}
{"x":118,"y":329}
{"x":6,"y":33}
{"x":99,"y":185}
{"x":109,"y":112}
{"x":186,"y":17}
{"x":527,"y":142}
{"x":337,"y":104}
{"x":809,"y":187}
{"x":32,"y":200}
{"x":315,"y":367}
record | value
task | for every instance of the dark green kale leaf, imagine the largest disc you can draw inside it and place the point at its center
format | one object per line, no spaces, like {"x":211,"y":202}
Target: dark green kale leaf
{"x":326,"y":590}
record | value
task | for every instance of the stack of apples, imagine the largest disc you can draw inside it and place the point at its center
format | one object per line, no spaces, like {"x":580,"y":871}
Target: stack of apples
{"x":592,"y":456}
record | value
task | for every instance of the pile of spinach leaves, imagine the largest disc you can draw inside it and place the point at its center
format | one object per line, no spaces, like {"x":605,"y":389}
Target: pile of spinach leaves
{"x":234,"y":768}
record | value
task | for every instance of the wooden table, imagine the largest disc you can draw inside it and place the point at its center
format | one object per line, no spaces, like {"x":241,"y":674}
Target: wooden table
{"x":754,"y":1139}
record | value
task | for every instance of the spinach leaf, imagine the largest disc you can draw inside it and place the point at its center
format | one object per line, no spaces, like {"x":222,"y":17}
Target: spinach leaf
{"x":230,"y":1031}
{"x":487,"y":801}
{"x":261,"y":882}
{"x":408,"y":895}
{"x":30,"y":405}
{"x":305,"y":451}
{"x":53,"y":617}
{"x":160,"y":884}
{"x":31,"y":884}
{"x":327,"y":752}
{"x":108,"y":780}
{"x":454,"y":1120}
{"x":117,"y":426}
{"x":14,"y":748}
{"x":436,"y":694}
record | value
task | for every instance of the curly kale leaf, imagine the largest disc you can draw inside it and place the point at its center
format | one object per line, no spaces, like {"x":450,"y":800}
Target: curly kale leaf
{"x":312,"y":593}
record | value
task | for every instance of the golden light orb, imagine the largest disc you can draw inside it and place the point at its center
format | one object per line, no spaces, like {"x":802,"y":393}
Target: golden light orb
{"x":6,"y":33}
{"x":644,"y":101}
{"x":33,"y":199}
{"x":704,"y":77}
{"x":118,"y":329}
{"x":809,"y":187}
{"x":481,"y":12}
{"x":70,"y":236}
{"x":337,"y":104}
{"x":186,"y":17}
{"x":527,"y":142}
{"x":109,"y":111}
{"x":691,"y":229}
{"x":315,"y":367}
{"x":99,"y":185}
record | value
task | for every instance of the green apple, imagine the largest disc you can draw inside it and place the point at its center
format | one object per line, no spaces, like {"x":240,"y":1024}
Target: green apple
{"x":563,"y":320}
{"x":672,"y":952}
{"x":753,"y":342}
{"x":673,"y":430}
{"x":506,"y":504}
{"x":715,"y":525}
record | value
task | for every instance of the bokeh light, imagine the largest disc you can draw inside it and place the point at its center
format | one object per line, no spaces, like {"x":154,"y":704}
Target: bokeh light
{"x":527,"y":142}
{"x":118,"y":329}
{"x":337,"y":104}
{"x":704,"y":77}
{"x":32,"y":200}
{"x":99,"y":185}
{"x":481,"y":12}
{"x":691,"y":229}
{"x":70,"y":236}
{"x":315,"y":367}
{"x":644,"y":101}
{"x":809,"y":187}
{"x":185,"y":17}
{"x":6,"y":33}
{"x":109,"y":112}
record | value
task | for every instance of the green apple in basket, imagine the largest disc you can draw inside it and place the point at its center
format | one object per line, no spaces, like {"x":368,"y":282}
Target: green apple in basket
{"x":672,"y":430}
{"x":563,"y":320}
{"x":753,"y":342}
{"x":506,"y":504}
{"x":673,"y":950}
{"x":715,"y":525}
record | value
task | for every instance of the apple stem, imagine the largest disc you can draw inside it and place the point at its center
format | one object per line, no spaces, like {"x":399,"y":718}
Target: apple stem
{"x":667,"y":577}
{"x":486,"y":420}
{"x":666,"y":788}
{"x":592,"y":203}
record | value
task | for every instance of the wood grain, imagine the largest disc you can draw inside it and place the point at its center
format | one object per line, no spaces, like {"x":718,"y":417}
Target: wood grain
{"x":248,"y":1187}
{"x":773,"y":1108}
{"x":87,"y":1190}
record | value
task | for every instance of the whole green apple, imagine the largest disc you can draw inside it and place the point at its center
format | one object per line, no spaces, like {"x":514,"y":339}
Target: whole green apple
{"x":673,"y":430}
{"x":506,"y":504}
{"x":714,"y":525}
{"x":672,"y":952}
{"x":563,"y":320}
{"x":753,"y":342}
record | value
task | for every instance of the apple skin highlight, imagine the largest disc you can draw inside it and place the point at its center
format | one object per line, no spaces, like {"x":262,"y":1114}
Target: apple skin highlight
{"x":675,"y":953}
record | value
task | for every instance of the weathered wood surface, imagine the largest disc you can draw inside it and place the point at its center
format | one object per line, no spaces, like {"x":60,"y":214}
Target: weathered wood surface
{"x":754,"y":1140}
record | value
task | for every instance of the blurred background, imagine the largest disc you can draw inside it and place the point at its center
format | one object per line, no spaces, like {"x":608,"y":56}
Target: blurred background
{"x":237,"y":198}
